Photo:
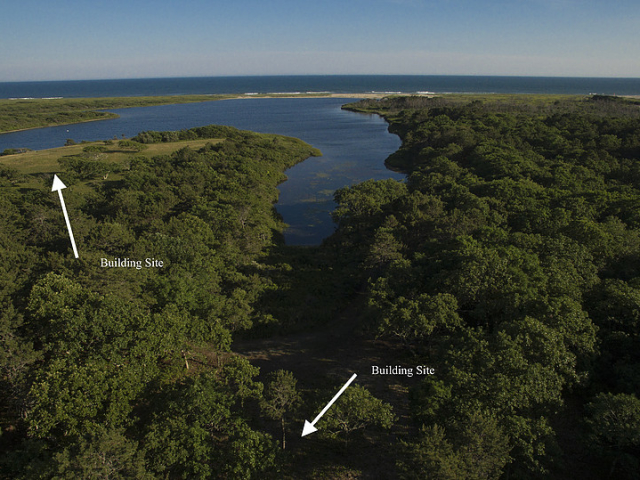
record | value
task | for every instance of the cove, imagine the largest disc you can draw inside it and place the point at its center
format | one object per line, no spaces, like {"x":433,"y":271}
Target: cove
{"x":354,"y":147}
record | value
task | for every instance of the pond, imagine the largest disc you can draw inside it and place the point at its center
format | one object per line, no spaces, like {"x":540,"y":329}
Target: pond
{"x":354,"y":147}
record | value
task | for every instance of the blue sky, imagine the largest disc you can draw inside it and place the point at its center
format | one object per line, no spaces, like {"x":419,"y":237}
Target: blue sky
{"x":89,"y":39}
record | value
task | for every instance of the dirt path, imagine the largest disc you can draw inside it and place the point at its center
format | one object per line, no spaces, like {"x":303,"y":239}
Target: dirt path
{"x":330,"y":355}
{"x":324,"y":357}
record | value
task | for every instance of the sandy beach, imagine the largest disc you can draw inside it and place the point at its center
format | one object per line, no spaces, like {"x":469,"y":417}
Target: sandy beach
{"x":327,"y":95}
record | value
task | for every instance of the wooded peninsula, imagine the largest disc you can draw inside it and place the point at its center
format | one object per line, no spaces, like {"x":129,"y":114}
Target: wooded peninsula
{"x":26,"y":113}
{"x":506,"y":267}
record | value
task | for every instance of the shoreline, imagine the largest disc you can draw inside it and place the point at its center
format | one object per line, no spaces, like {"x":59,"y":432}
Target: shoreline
{"x":373,"y":95}
{"x":176,"y":100}
{"x":61,"y":124}
{"x":325,"y":95}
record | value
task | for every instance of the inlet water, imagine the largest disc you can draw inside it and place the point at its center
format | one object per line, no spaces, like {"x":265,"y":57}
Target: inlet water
{"x":354,"y":147}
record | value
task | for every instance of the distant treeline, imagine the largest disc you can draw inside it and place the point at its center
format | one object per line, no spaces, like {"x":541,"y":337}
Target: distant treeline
{"x":22,"y":114}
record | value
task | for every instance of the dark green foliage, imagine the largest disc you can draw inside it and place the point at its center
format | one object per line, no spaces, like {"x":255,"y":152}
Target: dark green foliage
{"x":118,"y":372}
{"x":131,"y":145}
{"x":280,"y":398}
{"x":101,"y":454}
{"x":14,"y":151}
{"x":615,"y":307}
{"x":195,"y":432}
{"x":85,"y":168}
{"x":480,"y":450}
{"x":100,"y":345}
{"x":355,"y":410}
{"x":95,"y":149}
{"x":614,"y":432}
{"x":509,"y":262}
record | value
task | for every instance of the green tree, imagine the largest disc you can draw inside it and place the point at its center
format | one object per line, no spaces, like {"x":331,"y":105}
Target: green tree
{"x":384,"y":250}
{"x":415,"y":319}
{"x":99,"y":353}
{"x":356,"y":409}
{"x":280,"y":398}
{"x":239,"y":373}
{"x":195,"y":432}
{"x":367,"y":199}
{"x":103,"y":454}
{"x":483,"y":447}
{"x":614,"y":427}
{"x":16,"y":358}
{"x":479,"y":450}
{"x":430,"y":456}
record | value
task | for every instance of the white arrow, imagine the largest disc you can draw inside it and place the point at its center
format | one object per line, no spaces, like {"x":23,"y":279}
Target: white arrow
{"x":57,"y":187}
{"x":309,"y":427}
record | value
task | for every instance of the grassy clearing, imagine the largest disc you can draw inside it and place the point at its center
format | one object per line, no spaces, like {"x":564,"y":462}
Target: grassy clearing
{"x":34,"y":167}
{"x":46,"y":161}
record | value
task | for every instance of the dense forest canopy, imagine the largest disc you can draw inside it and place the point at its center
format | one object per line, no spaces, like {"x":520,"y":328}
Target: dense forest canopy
{"x":126,"y":364}
{"x":510,"y":259}
{"x":508,"y":262}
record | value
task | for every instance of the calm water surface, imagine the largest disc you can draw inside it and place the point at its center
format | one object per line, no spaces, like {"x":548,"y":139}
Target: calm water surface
{"x":354,"y":147}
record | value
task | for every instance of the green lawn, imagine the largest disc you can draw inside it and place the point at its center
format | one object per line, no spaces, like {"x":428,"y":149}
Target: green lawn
{"x":33,"y":166}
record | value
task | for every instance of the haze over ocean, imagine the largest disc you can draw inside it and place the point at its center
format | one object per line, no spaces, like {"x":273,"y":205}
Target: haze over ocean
{"x":320,"y":83}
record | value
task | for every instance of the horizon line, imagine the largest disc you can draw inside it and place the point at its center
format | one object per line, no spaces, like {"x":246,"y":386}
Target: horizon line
{"x":326,"y":75}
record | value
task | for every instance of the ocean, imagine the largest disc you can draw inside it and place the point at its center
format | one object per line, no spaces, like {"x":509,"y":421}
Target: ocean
{"x":320,"y":83}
